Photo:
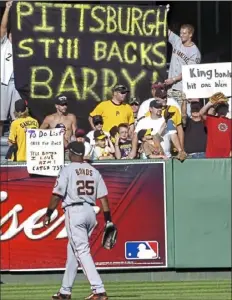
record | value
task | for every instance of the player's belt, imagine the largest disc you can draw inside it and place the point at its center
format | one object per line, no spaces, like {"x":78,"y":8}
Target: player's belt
{"x":78,"y":203}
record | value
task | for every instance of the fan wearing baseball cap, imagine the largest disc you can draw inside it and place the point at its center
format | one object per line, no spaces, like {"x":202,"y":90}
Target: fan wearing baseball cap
{"x":81,"y":137}
{"x":151,"y":147}
{"x":18,"y":128}
{"x":219,"y":132}
{"x":98,"y":125}
{"x":115,"y":111}
{"x":101,"y":151}
{"x":61,"y":116}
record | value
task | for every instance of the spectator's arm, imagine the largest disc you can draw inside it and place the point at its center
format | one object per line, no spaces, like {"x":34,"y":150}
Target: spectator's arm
{"x":46,"y":123}
{"x":131,"y":130}
{"x":13,"y":134}
{"x":176,"y":142}
{"x":91,"y":122}
{"x":111,"y":146}
{"x":184,"y":112}
{"x":5,"y":19}
{"x":180,"y":133}
{"x":74,"y":124}
{"x":117,"y":149}
{"x":204,"y":110}
{"x":133,"y":152}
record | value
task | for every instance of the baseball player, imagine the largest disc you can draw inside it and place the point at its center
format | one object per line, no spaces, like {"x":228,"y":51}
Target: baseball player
{"x":78,"y":185}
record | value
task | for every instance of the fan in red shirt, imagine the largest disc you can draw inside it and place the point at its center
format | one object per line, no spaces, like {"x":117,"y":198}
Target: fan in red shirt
{"x":218,"y":130}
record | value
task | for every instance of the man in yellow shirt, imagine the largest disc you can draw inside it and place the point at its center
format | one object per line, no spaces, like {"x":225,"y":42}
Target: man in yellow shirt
{"x":115,"y":111}
{"x":18,"y":128}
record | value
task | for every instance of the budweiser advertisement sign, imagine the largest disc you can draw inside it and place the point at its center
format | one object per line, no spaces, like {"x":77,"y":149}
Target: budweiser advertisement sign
{"x":138,"y":205}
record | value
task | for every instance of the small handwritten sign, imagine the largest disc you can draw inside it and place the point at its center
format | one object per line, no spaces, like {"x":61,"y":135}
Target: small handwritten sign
{"x":203,"y":80}
{"x":45,"y":151}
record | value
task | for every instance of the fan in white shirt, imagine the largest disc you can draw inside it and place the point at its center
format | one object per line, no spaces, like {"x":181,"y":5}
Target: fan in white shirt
{"x":98,"y":124}
{"x":9,"y":94}
{"x":156,"y":122}
{"x":144,"y":107}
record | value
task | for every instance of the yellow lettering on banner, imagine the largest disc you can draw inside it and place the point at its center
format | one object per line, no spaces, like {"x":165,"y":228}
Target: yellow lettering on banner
{"x":72,"y":46}
{"x":115,"y":51}
{"x":111,"y":16}
{"x":98,"y":20}
{"x":161,"y":23}
{"x":60,"y":49}
{"x":144,"y":49}
{"x":21,"y":13}
{"x":121,"y":19}
{"x":133,"y":82}
{"x":136,"y":16}
{"x":44,"y":84}
{"x":146,"y":24}
{"x":99,"y":50}
{"x":47,"y":43}
{"x":133,"y":58}
{"x":29,"y":50}
{"x":155,"y":76}
{"x":63,"y":7}
{"x":44,"y":26}
{"x":88,"y":87}
{"x":82,"y":8}
{"x":109,"y":81}
{"x":69,"y":75}
{"x":160,"y":54}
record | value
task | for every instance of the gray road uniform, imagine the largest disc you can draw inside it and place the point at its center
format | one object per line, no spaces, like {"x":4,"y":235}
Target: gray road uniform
{"x":181,"y":55}
{"x":80,"y":185}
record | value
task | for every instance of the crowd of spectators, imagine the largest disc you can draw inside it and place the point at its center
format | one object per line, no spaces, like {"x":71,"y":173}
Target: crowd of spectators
{"x":164,"y":126}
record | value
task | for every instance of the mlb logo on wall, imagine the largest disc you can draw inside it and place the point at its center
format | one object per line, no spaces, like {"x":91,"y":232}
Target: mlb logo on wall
{"x":142,"y":250}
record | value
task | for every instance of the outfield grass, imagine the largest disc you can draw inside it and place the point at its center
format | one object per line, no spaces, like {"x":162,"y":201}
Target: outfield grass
{"x":194,"y":290}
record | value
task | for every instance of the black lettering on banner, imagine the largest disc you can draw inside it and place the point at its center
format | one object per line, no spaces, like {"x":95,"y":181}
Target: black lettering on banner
{"x":83,"y":50}
{"x":85,"y":187}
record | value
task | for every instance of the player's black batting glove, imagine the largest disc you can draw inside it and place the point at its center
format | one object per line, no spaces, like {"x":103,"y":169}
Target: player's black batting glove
{"x":109,"y":235}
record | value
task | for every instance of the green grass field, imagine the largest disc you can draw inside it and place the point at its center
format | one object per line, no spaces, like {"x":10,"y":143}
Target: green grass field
{"x":194,"y":290}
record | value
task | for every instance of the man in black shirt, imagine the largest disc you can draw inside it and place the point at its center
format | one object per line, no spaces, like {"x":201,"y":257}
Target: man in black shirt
{"x":195,"y":132}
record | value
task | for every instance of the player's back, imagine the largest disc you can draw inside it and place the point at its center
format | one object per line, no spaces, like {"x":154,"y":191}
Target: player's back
{"x":82,"y":183}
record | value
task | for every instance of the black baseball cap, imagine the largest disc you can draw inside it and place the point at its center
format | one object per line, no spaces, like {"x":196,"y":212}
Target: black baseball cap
{"x":97,"y":119}
{"x":156,"y":104}
{"x":79,"y":133}
{"x":99,"y":135}
{"x":77,"y":148}
{"x":134,"y":100}
{"x":20,"y":105}
{"x":59,"y":100}
{"x":121,"y":88}
{"x":144,"y":132}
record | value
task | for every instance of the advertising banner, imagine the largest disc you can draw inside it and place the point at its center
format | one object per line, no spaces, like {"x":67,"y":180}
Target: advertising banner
{"x":138,"y":205}
{"x":83,"y":50}
{"x":204,"y":80}
{"x":45,"y":151}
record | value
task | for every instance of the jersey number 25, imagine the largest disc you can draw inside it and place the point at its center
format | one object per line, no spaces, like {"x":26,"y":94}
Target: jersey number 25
{"x":85,"y":187}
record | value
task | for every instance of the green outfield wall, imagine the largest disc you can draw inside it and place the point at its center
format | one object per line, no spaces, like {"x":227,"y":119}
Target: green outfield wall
{"x":198,"y":206}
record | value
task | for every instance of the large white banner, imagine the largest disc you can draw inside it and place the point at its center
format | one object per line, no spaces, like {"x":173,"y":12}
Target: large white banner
{"x":45,"y":151}
{"x":203,"y":80}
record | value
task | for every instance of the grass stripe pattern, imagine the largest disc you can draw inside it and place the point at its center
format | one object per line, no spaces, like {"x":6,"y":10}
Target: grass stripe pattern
{"x":193,"y":290}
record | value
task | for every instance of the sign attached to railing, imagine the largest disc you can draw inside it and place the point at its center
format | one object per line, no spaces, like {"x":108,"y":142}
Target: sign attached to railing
{"x":45,"y":151}
{"x":139,"y":212}
{"x":203,"y":80}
